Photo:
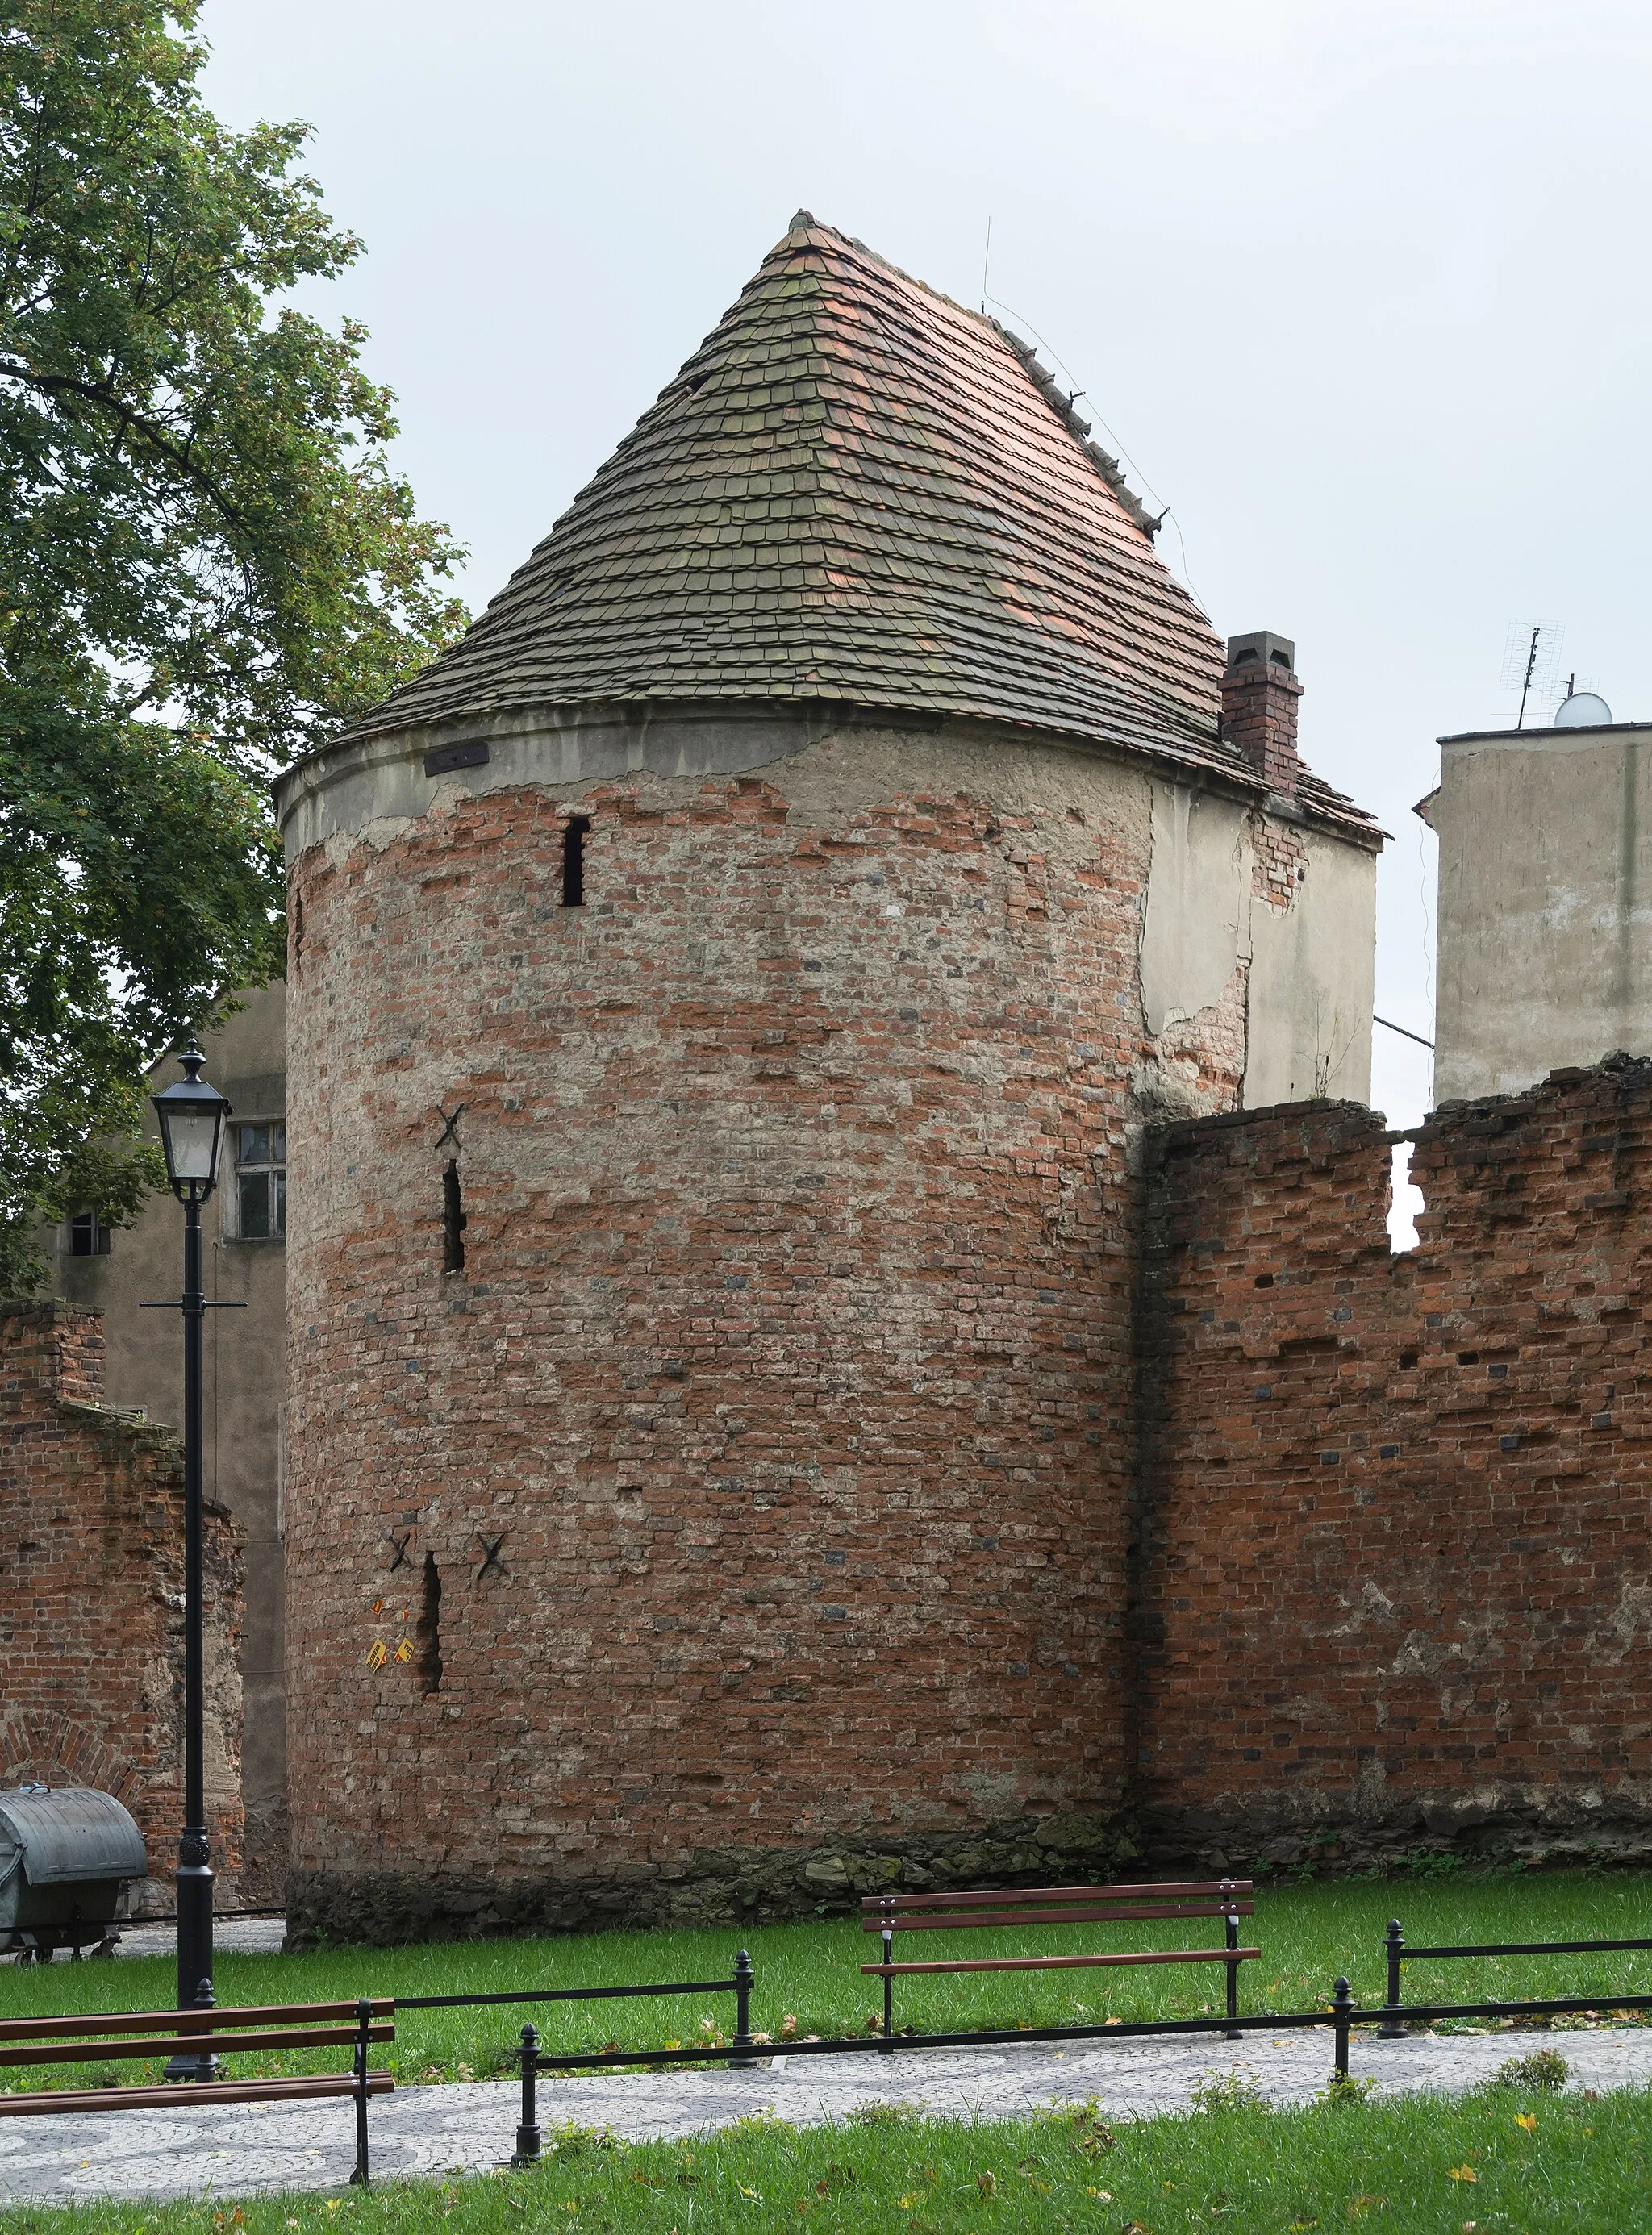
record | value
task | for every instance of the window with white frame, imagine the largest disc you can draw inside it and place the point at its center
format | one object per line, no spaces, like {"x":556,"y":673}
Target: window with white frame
{"x":88,"y":1236}
{"x":260,"y":1198}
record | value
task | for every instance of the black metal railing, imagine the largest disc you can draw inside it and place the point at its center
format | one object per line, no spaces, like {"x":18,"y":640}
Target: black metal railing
{"x":741,"y":2051}
{"x":738,"y":2051}
{"x":739,"y":2054}
{"x":1397,"y":2014}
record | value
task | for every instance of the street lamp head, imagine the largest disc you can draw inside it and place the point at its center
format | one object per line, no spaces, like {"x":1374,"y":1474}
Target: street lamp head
{"x":192,"y":1115}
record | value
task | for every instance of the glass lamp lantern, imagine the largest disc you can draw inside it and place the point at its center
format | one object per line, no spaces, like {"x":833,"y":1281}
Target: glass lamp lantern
{"x":191,"y":1114}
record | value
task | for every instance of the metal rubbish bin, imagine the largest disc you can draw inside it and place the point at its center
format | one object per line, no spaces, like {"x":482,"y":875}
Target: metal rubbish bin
{"x":65,"y":1854}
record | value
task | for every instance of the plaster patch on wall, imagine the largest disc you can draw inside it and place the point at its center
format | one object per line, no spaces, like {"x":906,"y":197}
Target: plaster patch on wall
{"x":1195,"y":927}
{"x":1628,"y":1620}
{"x":1312,"y":982}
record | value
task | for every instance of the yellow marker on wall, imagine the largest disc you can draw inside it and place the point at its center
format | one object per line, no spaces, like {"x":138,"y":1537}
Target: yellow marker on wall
{"x":376,"y":1654}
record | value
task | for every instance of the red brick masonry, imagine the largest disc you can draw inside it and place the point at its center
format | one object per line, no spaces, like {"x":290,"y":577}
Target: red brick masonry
{"x":788,"y":1372}
{"x":91,"y":1583}
{"x":1393,"y":1578}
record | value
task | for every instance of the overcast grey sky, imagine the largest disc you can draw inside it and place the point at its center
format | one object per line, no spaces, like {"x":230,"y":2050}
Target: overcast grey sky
{"x":1359,"y":289}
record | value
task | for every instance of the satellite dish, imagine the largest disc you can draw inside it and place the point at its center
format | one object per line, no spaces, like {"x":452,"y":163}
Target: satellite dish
{"x":1584,"y":710}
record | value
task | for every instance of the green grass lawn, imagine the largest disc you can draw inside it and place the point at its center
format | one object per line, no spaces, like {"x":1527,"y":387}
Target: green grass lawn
{"x":1505,"y":2160}
{"x":1308,"y":1933}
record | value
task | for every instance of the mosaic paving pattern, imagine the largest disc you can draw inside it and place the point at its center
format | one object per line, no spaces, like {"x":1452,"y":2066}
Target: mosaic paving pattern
{"x":238,"y":2149}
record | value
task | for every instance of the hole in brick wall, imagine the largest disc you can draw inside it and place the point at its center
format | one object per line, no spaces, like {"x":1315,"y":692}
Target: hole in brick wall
{"x":1468,"y":1357}
{"x":573,"y":839}
{"x":1407,"y":1360}
{"x":454,"y":1221}
{"x":1264,"y":1280}
{"x":428,"y":1629}
{"x":1405,"y":1201}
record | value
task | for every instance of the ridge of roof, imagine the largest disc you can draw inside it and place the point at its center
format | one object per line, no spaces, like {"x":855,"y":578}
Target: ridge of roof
{"x":858,"y":491}
{"x":1039,"y":374}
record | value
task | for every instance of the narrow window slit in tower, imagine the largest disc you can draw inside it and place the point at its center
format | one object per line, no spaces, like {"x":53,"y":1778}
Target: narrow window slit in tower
{"x":454,"y":1221}
{"x":573,"y":861}
{"x":428,"y":1629}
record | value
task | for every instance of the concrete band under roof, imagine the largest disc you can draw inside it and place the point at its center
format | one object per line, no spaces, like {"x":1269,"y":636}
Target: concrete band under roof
{"x":855,"y":491}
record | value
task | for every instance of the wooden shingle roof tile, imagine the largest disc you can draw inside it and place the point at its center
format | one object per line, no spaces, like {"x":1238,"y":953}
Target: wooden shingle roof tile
{"x":855,"y":491}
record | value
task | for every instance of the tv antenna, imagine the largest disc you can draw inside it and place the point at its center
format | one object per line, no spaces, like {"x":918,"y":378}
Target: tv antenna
{"x":1532,"y":662}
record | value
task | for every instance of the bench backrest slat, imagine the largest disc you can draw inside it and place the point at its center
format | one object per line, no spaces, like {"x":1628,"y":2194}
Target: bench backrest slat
{"x":1214,"y":1889}
{"x":1011,"y":1905}
{"x":158,"y":2045}
{"x":120,"y":2022}
{"x":974,"y":1919}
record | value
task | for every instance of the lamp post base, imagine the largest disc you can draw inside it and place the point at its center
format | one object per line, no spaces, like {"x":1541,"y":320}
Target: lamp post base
{"x":186,"y":2066}
{"x":194,"y":1890}
{"x":191,"y":2067}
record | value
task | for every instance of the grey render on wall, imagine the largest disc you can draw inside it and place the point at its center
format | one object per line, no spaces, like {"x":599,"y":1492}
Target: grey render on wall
{"x":1544,"y":955}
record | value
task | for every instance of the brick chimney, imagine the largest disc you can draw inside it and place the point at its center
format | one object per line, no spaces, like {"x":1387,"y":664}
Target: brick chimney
{"x":1259,"y":696}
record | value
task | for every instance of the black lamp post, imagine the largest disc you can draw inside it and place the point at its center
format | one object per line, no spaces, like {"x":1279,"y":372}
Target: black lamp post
{"x":192,"y":1115}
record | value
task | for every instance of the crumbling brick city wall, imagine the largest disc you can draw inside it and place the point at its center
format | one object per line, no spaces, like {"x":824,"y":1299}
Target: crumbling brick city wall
{"x":91,"y":1596}
{"x":1393,"y":1567}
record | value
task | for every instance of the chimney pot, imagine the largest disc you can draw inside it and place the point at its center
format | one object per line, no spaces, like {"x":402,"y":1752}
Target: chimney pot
{"x":1263,"y":646}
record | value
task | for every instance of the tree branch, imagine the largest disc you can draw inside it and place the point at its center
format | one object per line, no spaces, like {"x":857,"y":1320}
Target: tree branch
{"x":157,"y":435}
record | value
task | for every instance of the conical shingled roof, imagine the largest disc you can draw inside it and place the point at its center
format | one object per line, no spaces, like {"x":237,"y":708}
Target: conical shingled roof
{"x":854,"y":490}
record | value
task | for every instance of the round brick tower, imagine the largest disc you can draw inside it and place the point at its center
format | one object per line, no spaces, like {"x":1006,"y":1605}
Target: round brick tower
{"x":719,"y":1014}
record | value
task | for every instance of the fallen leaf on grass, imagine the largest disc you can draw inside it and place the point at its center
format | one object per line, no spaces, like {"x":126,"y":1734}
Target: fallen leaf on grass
{"x":987,"y":2183}
{"x":1461,"y":2172}
{"x":1101,"y":2195}
{"x":751,"y":2193}
{"x":1528,"y":2120}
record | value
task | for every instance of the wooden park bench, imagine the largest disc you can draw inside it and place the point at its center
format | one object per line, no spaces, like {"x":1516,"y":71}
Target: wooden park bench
{"x":1019,"y":1907}
{"x":202,"y":2032}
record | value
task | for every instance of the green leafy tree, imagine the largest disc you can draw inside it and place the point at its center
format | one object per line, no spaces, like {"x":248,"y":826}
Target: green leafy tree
{"x":207,"y":566}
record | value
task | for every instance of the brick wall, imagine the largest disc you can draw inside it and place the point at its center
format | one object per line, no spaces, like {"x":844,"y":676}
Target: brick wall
{"x":1392,"y":1576}
{"x":91,"y":1584}
{"x":789,"y":1368}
